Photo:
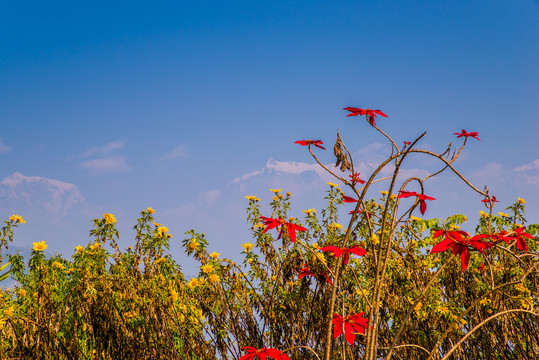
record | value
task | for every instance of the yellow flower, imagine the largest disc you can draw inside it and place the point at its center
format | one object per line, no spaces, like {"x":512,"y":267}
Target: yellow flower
{"x":214,"y":255}
{"x":335,"y":225}
{"x":9,"y":311}
{"x":22,"y":292}
{"x":383,"y":192}
{"x":288,"y":193}
{"x":79,"y":249}
{"x":275,"y":198}
{"x":393,"y":196}
{"x":274,"y":278}
{"x":375,"y":239}
{"x":250,"y":261}
{"x":483,"y":214}
{"x":193,"y":283}
{"x":316,"y":246}
{"x":309,"y":211}
{"x":58,"y":265}
{"x":276,"y":190}
{"x":503,"y":214}
{"x":522,"y":201}
{"x":173,"y":295}
{"x":95,"y":246}
{"x":109,"y":218}
{"x":259,"y":225}
{"x":332,"y":184}
{"x":160,"y":261}
{"x":161,"y":230}
{"x":213,"y":278}
{"x":253,"y":198}
{"x":40,"y":246}
{"x":413,"y":218}
{"x":207,"y":268}
{"x":17,"y":219}
{"x":247,"y":246}
{"x":193,"y":244}
{"x":150,"y":210}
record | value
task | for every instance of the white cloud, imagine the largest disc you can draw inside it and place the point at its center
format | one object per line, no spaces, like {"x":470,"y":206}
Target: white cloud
{"x":247,"y":176}
{"x":111,"y":164}
{"x":4,"y":149}
{"x":209,"y":198}
{"x":529,"y":173}
{"x":104,"y":150}
{"x":177,"y":152}
{"x":529,"y":167}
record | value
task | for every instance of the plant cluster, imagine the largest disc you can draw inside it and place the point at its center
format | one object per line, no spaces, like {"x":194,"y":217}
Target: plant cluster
{"x":374,"y":283}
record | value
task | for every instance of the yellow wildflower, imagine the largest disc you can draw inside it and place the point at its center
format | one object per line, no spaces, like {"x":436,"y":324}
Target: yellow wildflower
{"x":274,"y":278}
{"x":250,"y":261}
{"x":173,"y":295}
{"x":259,"y":225}
{"x":309,"y":211}
{"x":161,"y":230}
{"x":9,"y":311}
{"x":522,"y":201}
{"x":275,"y":198}
{"x":413,"y":218}
{"x":95,"y":246}
{"x":276,"y":190}
{"x":79,"y":249}
{"x":17,"y":219}
{"x":213,"y":278}
{"x":288,"y":193}
{"x":193,"y":244}
{"x":109,"y":218}
{"x":214,"y":255}
{"x":483,"y":214}
{"x":503,"y":214}
{"x":332,"y":184}
{"x":316,"y":246}
{"x":247,"y":246}
{"x":253,"y":198}
{"x":39,"y":246}
{"x":393,"y":196}
{"x":193,"y":283}
{"x":383,"y":192}
{"x":58,"y":265}
{"x":375,"y":240}
{"x":150,"y":210}
{"x":22,"y":292}
{"x":207,"y":268}
{"x":335,"y":225}
{"x":280,"y":196}
{"x":160,"y":261}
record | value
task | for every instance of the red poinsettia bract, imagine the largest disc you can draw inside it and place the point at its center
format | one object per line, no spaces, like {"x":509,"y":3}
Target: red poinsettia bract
{"x":489,"y":200}
{"x":460,"y":243}
{"x":316,"y":143}
{"x":371,"y":114}
{"x":263,"y":353}
{"x":518,"y":235}
{"x":421,"y":197}
{"x":337,"y":251}
{"x":352,"y":324}
{"x":355,"y":179}
{"x":467,"y":134}
{"x":307,"y":272}
{"x":290,"y":228}
{"x":348,"y":199}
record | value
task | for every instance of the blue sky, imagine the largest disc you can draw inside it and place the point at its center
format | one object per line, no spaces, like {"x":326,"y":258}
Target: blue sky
{"x":165,"y":105}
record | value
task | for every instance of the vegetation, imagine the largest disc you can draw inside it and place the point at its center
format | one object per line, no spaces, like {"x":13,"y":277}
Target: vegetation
{"x":374,"y":283}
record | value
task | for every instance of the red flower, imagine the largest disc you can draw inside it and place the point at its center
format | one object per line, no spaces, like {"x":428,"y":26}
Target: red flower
{"x":263,"y":353}
{"x":518,"y":235}
{"x":316,"y":143}
{"x":348,"y":199}
{"x":355,"y":179}
{"x":467,"y":134}
{"x":371,"y":114}
{"x":352,"y":324}
{"x":353,"y":211}
{"x":356,"y":249}
{"x":491,"y":200}
{"x":290,"y":228}
{"x":406,"y":143}
{"x":460,"y":243}
{"x":306,"y":272}
{"x":421,"y":197}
